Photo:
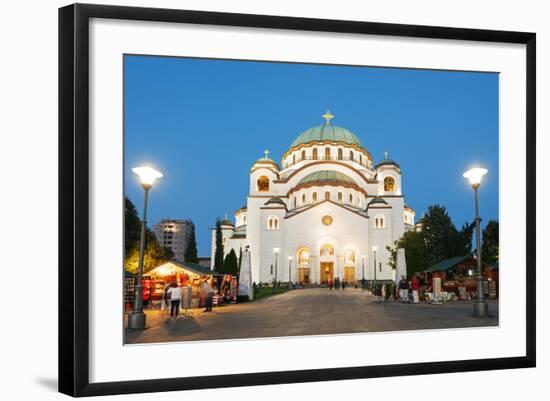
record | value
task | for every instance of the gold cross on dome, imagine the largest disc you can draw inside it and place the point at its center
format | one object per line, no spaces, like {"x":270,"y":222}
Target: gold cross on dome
{"x":266,"y":153}
{"x":327,"y":116}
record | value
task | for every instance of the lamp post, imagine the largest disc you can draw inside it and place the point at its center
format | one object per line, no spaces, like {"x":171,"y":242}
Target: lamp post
{"x":147,"y":176}
{"x":276,"y":251}
{"x":289,"y":271}
{"x":363,"y":271}
{"x":481,"y":308}
{"x":374,"y":249}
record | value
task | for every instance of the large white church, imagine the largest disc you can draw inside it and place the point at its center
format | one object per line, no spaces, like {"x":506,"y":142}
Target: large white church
{"x":326,"y":212}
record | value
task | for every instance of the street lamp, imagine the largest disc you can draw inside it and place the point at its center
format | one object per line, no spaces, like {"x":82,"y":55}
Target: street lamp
{"x":374,"y":249}
{"x":147,"y":176}
{"x":363,"y":271}
{"x":289,"y":271}
{"x":481,"y":308}
{"x":276,"y":251}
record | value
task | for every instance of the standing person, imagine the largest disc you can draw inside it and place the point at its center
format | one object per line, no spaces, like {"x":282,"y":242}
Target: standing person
{"x":404,"y":290}
{"x":415,"y":286}
{"x":343,"y":283}
{"x":146,"y":296}
{"x":202,"y":294}
{"x":208,"y":295}
{"x":174,"y":292}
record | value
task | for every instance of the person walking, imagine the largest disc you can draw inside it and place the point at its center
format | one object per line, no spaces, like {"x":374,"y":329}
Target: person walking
{"x":174,"y":292}
{"x":208,"y":295}
{"x":404,"y":290}
{"x":415,"y":286}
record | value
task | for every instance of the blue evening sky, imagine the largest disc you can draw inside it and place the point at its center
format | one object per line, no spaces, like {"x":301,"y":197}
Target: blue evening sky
{"x":203,"y":123}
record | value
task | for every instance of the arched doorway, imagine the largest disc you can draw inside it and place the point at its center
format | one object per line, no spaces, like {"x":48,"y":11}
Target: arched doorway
{"x":326,"y":267}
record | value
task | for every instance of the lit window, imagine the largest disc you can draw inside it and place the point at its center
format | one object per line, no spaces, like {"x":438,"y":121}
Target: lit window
{"x":389,"y":184}
{"x":340,"y":197}
{"x":314,"y":197}
{"x":340,"y":154}
{"x":327,"y":195}
{"x":303,"y":199}
{"x":303,"y":155}
{"x":263,"y":184}
{"x":351,"y":155}
{"x":350,"y":199}
{"x":350,"y":257}
{"x":272,"y":223}
{"x":379,"y":221}
{"x":327,"y":250}
{"x":294,"y":201}
{"x":303,"y":256}
{"x":314,"y":154}
{"x":360,"y":159}
{"x":294,"y":159}
{"x":327,"y":153}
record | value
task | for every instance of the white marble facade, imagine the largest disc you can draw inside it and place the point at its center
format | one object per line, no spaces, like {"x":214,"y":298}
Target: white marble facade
{"x":326,"y":211}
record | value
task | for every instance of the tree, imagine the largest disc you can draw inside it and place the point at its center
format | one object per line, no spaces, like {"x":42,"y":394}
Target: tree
{"x":490,"y":244}
{"x":442,"y":239}
{"x":416,"y":255}
{"x":464,"y":240}
{"x":132,"y":227}
{"x":218,"y":254}
{"x":230,"y":264}
{"x":153,"y":255}
{"x":191,"y":250}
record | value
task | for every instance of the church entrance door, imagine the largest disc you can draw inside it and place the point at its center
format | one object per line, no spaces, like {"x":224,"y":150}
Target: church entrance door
{"x":327,"y":272}
{"x":303,"y":275}
{"x":349,"y":275}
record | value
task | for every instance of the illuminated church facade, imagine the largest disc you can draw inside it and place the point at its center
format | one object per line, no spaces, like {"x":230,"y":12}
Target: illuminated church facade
{"x":326,"y":211}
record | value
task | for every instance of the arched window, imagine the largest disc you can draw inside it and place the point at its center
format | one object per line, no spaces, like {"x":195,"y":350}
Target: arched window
{"x":379,"y":221}
{"x":327,"y":195}
{"x":294,"y":202}
{"x":294,"y":159}
{"x":349,"y":257}
{"x":350,"y":199}
{"x":244,"y":219}
{"x":303,"y":199}
{"x":314,"y":154}
{"x":351,"y":155}
{"x":303,"y":256}
{"x":327,"y":153}
{"x":263,"y":184}
{"x":303,"y":155}
{"x":340,"y":154}
{"x":360,"y":159}
{"x":327,"y":250}
{"x":272,"y":223}
{"x":340,"y":197}
{"x":314,"y":197}
{"x":389,"y":184}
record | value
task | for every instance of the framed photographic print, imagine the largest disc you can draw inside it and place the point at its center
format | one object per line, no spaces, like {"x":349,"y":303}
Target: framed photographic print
{"x":250,"y":199}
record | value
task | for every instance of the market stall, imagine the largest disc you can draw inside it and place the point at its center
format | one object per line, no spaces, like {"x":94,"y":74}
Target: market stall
{"x":183,"y":274}
{"x":458,"y":277}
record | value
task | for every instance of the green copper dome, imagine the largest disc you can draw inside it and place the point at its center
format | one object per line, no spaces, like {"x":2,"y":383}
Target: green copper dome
{"x":327,"y":132}
{"x":325,"y":176}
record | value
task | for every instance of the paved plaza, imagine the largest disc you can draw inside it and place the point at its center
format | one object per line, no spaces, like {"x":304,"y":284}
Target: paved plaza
{"x":308,"y":312}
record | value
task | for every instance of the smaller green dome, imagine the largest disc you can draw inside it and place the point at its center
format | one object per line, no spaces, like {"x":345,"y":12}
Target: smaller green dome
{"x":377,"y":201}
{"x":277,"y":201}
{"x":326,"y":176}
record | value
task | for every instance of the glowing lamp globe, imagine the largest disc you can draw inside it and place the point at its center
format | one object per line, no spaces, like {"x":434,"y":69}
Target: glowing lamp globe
{"x":276,"y":250}
{"x":375,"y":248}
{"x":475,"y":175}
{"x":147,"y":175}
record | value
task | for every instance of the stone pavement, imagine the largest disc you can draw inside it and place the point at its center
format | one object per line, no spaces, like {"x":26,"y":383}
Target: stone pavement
{"x":308,"y":312}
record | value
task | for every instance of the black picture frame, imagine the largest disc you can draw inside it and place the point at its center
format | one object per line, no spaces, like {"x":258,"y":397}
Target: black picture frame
{"x":74,"y":198}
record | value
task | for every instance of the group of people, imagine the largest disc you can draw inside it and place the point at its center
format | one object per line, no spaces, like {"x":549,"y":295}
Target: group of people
{"x":336,"y":284}
{"x":173,"y":295}
{"x":404,"y":286}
